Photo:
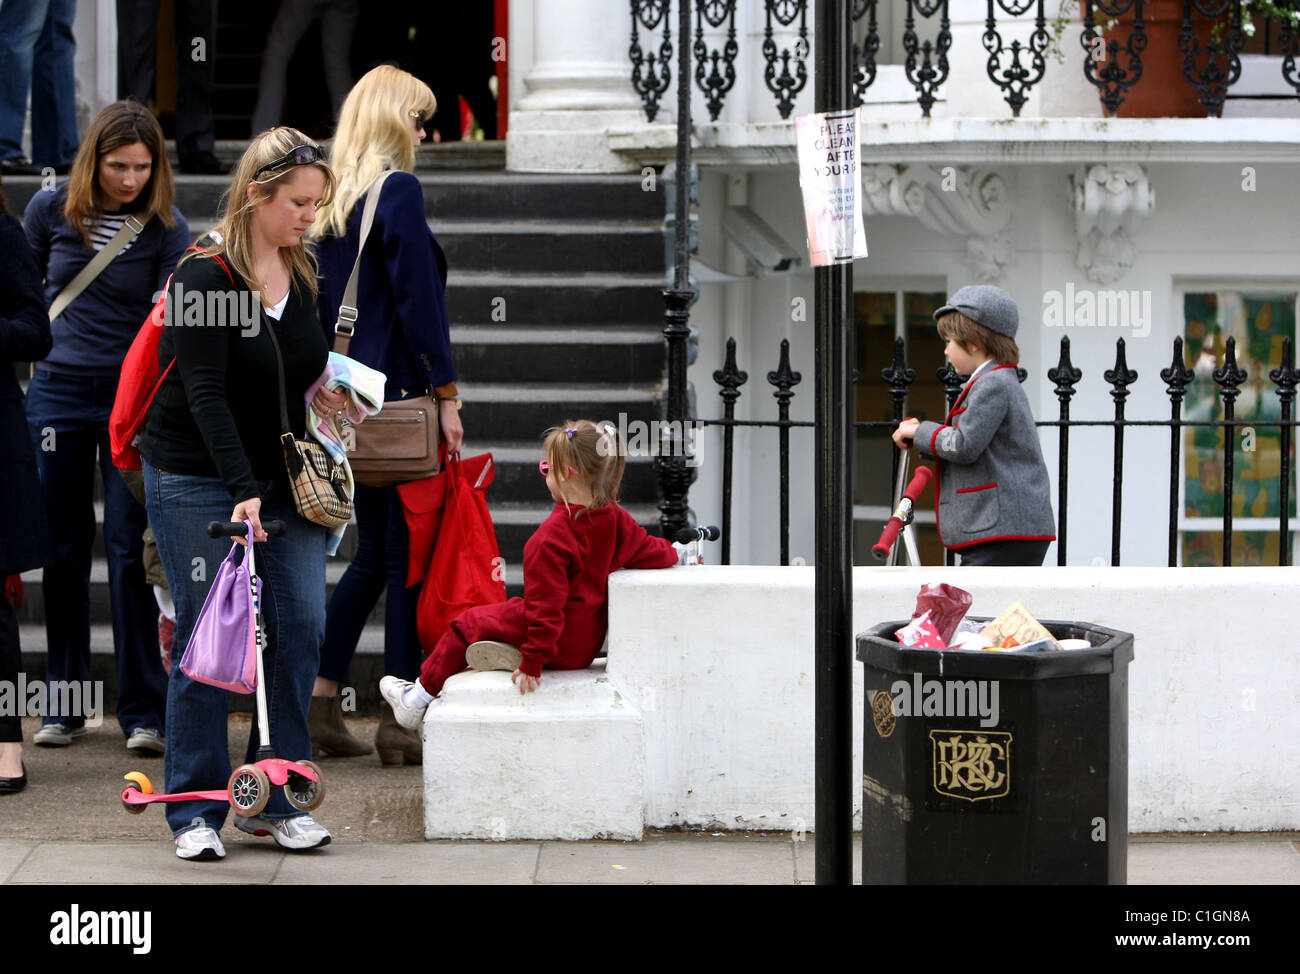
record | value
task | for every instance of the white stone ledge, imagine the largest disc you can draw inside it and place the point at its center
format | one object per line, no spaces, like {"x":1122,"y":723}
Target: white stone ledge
{"x":985,"y":140}
{"x":720,"y":663}
{"x":564,"y":762}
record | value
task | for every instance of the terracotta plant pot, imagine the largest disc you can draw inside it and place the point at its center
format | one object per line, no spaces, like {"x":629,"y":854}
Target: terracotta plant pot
{"x":1161,"y":91}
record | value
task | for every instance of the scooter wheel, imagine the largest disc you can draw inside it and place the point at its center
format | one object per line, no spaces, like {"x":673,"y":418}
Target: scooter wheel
{"x":302,"y":793}
{"x":249,"y":790}
{"x":130,"y":808}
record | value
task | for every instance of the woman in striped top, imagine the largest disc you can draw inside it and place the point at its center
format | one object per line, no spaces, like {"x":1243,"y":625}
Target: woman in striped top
{"x":120,"y":171}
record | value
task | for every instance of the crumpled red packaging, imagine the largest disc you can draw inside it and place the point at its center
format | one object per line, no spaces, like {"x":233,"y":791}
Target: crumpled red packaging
{"x":920,"y":634}
{"x":947,"y":605}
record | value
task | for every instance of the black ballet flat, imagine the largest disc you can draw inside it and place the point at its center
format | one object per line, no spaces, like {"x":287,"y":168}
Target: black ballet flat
{"x":11,"y":786}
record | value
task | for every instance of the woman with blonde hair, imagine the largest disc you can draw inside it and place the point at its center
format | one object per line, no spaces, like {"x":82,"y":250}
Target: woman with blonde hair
{"x":241,"y":314}
{"x":401,"y":330}
{"x":116,"y":204}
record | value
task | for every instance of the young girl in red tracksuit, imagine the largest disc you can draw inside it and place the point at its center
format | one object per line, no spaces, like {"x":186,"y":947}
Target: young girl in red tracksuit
{"x":560,"y":622}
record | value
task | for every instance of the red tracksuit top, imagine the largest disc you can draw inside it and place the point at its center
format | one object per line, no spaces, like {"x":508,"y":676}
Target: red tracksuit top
{"x":567,"y":563}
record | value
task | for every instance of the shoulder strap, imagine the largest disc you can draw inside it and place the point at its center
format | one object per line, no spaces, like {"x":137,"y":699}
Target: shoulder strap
{"x":131,"y":229}
{"x":347,"y":318}
{"x":279,"y":367}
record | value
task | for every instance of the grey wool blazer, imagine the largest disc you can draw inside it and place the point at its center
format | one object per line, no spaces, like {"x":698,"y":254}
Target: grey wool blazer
{"x":990,"y":480}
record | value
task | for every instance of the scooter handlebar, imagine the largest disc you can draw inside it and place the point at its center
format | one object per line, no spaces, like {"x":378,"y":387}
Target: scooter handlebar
{"x":236,"y":529}
{"x":903,"y":515}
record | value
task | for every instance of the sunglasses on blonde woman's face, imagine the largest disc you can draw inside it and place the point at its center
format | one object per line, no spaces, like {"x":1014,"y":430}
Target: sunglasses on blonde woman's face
{"x":545,"y":468}
{"x":299,"y":155}
{"x":420,"y":118}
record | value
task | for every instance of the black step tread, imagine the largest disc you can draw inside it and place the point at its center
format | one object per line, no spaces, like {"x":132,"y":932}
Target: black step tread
{"x":515,"y":226}
{"x":567,"y":279}
{"x":522,"y":512}
{"x":503,"y":334}
{"x":554,"y":392}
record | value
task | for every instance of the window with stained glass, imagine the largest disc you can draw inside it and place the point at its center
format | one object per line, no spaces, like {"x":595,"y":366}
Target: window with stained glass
{"x":1258,"y":319}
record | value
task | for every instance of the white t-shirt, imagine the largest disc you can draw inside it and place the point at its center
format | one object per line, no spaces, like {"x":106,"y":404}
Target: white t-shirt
{"x":278,"y":308}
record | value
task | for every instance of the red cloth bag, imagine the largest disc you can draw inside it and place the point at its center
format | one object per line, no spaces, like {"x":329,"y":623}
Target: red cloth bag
{"x":140,"y":382}
{"x":422,"y":502}
{"x":466,"y":568}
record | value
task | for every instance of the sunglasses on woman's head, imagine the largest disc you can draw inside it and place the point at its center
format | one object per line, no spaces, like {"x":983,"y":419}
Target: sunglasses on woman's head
{"x":420,"y":118}
{"x":299,"y":155}
{"x":545,"y":467}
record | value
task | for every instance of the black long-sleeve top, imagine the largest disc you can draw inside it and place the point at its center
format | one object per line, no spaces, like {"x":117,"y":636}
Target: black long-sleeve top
{"x":24,"y":337}
{"x":217,"y":413}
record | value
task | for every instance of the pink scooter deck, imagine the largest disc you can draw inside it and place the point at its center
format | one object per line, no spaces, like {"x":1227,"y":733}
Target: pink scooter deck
{"x":277,"y":770}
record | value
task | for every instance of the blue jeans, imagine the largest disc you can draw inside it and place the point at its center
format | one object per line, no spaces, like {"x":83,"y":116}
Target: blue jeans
{"x":67,"y":417}
{"x":292,"y":569}
{"x":383,"y":545}
{"x":37,"y":50}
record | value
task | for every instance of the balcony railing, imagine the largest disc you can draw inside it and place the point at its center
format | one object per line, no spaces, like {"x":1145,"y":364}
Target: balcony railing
{"x":1018,"y":37}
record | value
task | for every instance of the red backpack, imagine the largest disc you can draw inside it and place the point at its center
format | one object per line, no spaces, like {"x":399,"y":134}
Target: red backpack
{"x":140,"y":382}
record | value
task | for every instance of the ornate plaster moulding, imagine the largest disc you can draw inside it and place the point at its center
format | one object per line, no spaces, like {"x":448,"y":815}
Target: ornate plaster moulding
{"x":969,"y":201}
{"x":1109,"y":203}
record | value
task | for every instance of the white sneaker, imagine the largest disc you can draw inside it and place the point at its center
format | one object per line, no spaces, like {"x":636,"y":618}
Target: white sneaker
{"x":58,"y":735}
{"x":392,"y":689}
{"x":297,"y":833}
{"x":201,"y":844}
{"x":146,"y":740}
{"x":491,"y":654}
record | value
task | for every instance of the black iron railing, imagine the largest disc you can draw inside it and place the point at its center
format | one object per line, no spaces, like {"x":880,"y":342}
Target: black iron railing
{"x":1017,"y":36}
{"x":897,"y":377}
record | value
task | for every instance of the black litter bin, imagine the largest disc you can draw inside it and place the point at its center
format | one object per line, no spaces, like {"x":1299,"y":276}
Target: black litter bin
{"x":995,"y":767}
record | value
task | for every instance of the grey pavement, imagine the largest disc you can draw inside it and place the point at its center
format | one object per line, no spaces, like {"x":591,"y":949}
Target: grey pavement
{"x":69,"y":827}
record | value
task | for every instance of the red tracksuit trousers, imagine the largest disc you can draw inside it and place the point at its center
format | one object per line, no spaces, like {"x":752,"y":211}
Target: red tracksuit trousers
{"x":504,"y":621}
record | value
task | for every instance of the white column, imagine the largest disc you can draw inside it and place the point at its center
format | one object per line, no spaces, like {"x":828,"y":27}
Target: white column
{"x":578,"y":86}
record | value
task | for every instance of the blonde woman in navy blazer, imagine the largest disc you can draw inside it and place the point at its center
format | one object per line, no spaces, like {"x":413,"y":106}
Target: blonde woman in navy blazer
{"x":401,"y":330}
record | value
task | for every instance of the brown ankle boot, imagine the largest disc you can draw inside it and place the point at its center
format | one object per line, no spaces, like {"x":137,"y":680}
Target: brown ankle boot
{"x":396,"y":745}
{"x":329,"y":734}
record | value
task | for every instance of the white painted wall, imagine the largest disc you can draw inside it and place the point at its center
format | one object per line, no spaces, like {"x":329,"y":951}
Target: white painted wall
{"x":725,"y":684}
{"x":1205,"y":229}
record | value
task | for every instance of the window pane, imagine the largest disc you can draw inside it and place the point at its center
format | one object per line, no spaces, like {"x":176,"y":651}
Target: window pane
{"x":873,"y":350}
{"x":1258,"y":321}
{"x":1204,"y":549}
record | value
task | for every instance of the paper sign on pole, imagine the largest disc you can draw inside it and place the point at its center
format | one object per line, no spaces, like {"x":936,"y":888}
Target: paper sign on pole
{"x":829,"y":177}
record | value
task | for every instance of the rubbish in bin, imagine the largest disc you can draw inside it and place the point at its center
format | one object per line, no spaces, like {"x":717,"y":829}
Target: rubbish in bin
{"x":947,"y":605}
{"x":920,"y":633}
{"x":970,"y":639}
{"x":1018,"y":623}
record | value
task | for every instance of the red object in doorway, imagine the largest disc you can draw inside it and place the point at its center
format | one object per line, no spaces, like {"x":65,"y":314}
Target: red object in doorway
{"x":501,"y":28}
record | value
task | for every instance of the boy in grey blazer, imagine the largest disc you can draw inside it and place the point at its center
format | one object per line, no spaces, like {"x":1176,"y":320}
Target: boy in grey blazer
{"x":993,"y":494}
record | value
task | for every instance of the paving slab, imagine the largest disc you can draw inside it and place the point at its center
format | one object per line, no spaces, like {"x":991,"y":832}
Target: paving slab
{"x":1233,"y":861}
{"x":677,"y":859}
{"x":142,"y":863}
{"x":11,"y":856}
{"x":428,"y":863}
{"x":805,"y":860}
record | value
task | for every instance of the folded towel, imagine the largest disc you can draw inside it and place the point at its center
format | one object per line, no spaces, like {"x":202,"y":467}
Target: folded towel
{"x":365,"y":389}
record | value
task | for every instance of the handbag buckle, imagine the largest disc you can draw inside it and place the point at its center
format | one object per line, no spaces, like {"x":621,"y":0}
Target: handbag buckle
{"x":347,"y":315}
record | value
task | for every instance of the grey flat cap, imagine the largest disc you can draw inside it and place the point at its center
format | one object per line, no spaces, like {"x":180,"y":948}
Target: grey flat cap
{"x":991,"y":306}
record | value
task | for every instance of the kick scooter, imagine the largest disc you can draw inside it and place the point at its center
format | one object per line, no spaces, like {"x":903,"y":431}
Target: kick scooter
{"x":250,"y":785}
{"x":901,"y":520}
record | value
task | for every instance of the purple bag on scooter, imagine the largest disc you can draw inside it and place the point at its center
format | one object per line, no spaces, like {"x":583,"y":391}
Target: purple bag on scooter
{"x":222,"y":651}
